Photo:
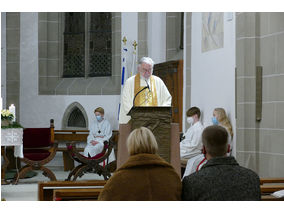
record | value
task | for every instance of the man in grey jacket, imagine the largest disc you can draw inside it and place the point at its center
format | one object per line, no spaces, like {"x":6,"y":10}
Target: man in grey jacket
{"x":221,"y":178}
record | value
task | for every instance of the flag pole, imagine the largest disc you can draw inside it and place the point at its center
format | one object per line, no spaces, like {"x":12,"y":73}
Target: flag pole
{"x":123,"y":71}
{"x":133,"y":58}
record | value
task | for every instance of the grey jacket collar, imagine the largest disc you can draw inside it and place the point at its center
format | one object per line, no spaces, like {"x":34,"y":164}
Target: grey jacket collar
{"x":221,"y":161}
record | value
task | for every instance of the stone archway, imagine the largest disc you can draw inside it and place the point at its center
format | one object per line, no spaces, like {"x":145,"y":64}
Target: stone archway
{"x":75,"y":117}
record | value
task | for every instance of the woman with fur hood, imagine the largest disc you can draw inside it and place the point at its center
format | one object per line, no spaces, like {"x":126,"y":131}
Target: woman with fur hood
{"x":145,"y":176}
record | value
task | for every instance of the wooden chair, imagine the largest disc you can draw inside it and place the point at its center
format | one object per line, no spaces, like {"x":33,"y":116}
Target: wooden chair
{"x":92,"y":164}
{"x":39,"y":149}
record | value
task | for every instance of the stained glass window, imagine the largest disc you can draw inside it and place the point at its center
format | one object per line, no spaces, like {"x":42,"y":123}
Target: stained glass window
{"x":100,"y":45}
{"x":74,"y":45}
{"x":98,"y":58}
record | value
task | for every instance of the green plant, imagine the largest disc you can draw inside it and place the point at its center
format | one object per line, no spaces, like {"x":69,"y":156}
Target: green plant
{"x":12,"y":125}
{"x":6,"y":115}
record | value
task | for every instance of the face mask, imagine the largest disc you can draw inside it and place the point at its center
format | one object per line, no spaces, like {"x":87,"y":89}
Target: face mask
{"x":189,"y":120}
{"x":215,"y":121}
{"x":99,"y":118}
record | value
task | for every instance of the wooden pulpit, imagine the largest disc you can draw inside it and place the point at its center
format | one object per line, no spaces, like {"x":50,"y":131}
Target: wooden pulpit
{"x":158,"y":120}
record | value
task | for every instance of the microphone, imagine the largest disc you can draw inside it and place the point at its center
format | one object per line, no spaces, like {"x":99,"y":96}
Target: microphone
{"x":138,"y":93}
{"x":148,"y":86}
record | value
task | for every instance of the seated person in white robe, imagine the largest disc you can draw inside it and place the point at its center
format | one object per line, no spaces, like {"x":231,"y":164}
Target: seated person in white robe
{"x":219,"y":118}
{"x":100,"y":131}
{"x":156,"y":94}
{"x":191,"y":145}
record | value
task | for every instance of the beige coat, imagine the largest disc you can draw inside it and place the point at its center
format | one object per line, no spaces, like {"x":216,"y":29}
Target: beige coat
{"x":143,"y":177}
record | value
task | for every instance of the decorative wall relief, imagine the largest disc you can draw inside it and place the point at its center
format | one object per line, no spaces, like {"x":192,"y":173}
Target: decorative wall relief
{"x":212,"y":31}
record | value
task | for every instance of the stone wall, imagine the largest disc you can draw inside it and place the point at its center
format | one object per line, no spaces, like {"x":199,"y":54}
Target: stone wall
{"x":173,"y":29}
{"x":188,"y":65}
{"x":142,"y":35}
{"x":50,"y":61}
{"x":260,"y":42}
{"x":13,"y":61}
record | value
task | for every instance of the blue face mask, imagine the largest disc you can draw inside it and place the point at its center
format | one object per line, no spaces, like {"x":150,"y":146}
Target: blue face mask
{"x":215,"y":121}
{"x":99,"y":118}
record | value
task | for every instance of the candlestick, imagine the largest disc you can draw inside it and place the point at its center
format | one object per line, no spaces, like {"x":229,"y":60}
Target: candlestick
{"x":12,"y":109}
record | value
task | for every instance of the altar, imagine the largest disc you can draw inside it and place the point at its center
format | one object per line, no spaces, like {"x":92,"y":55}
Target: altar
{"x":11,"y":137}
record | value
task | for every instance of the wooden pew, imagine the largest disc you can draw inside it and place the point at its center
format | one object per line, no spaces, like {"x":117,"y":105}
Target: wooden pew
{"x":271,"y":180}
{"x":76,"y":194}
{"x":271,"y":198}
{"x":46,"y":189}
{"x":65,"y":136}
{"x":269,"y":186}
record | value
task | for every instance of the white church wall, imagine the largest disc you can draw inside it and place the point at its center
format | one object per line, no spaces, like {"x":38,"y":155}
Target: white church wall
{"x":36,"y":110}
{"x":157,"y":36}
{"x":129,"y":30}
{"x":213,"y":72}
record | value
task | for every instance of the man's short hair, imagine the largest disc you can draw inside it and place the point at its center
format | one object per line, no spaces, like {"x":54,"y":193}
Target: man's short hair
{"x":215,"y":139}
{"x":192,"y":111}
{"x":141,"y":140}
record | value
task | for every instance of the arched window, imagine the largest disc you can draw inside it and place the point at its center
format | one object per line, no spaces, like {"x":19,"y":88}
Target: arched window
{"x":75,"y":117}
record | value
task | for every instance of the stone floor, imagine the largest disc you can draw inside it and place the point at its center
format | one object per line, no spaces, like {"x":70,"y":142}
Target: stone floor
{"x":27,"y":189}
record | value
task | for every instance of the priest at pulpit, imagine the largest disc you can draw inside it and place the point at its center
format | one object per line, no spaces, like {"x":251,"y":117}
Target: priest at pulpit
{"x":143,"y":89}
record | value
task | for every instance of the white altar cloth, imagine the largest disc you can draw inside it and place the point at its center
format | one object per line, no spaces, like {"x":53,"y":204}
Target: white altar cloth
{"x":13,"y":137}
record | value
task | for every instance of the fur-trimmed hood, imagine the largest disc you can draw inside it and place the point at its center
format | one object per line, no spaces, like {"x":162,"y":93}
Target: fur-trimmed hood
{"x":143,"y":177}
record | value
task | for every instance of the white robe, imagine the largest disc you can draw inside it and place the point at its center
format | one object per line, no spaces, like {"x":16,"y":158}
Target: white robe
{"x":191,"y":145}
{"x":99,"y":131}
{"x":193,"y":163}
{"x":164,"y":98}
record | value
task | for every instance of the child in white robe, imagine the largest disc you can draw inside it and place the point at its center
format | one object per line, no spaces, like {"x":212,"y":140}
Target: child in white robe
{"x":100,"y":131}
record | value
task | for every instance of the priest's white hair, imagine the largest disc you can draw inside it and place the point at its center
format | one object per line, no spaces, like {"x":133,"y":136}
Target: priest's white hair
{"x":147,"y":60}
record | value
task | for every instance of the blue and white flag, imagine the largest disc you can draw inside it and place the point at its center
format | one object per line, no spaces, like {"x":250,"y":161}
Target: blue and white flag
{"x":124,"y":73}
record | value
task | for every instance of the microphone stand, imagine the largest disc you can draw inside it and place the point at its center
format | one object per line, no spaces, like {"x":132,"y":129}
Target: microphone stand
{"x":138,"y":93}
{"x":148,"y":85}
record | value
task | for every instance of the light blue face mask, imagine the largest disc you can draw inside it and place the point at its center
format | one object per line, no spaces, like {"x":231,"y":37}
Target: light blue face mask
{"x":215,"y":121}
{"x":99,"y":118}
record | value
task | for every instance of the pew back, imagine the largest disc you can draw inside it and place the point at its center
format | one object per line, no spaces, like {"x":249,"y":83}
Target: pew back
{"x":269,"y":186}
{"x":76,"y":194}
{"x":46,"y":189}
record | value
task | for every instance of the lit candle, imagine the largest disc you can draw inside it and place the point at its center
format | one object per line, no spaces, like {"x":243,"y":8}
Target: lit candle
{"x":12,"y":109}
